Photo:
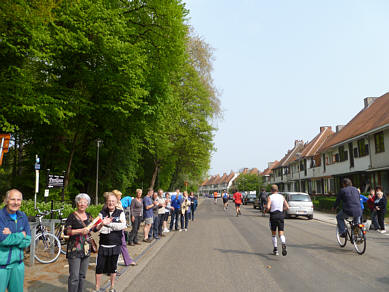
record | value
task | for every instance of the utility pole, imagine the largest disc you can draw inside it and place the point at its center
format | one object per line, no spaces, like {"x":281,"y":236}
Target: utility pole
{"x":99,"y":141}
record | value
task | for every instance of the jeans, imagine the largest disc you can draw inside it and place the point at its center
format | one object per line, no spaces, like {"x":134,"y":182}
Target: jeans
{"x":161,"y":218}
{"x":133,"y":237}
{"x":374,"y":219}
{"x":174,"y":218}
{"x":191,"y":215}
{"x":77,"y":272}
{"x":340,"y":219}
{"x":186,"y":217}
{"x":154,"y":227}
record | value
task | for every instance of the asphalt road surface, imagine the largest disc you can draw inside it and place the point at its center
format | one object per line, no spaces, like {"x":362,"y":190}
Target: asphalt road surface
{"x":222,"y":252}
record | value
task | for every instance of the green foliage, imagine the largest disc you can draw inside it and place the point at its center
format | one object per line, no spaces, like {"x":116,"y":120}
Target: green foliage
{"x":248,"y":182}
{"x":128,"y":72}
{"x":28,"y":208}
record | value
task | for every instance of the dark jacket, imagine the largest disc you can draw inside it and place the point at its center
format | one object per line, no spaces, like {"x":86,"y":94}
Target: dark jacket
{"x":350,"y":198}
{"x":381,"y":203}
{"x":115,"y":236}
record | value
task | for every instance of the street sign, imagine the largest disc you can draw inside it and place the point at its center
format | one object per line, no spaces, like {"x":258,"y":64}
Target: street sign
{"x":37,"y":166}
{"x":46,"y":193}
{"x":56,"y":181}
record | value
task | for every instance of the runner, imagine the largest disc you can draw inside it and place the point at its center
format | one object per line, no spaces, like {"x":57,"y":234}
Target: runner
{"x":215,"y":197}
{"x":238,"y":201}
{"x":225,"y":199}
{"x":276,"y":204}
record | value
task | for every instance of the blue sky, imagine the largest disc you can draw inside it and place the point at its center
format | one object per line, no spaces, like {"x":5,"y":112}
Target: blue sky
{"x":285,"y":68}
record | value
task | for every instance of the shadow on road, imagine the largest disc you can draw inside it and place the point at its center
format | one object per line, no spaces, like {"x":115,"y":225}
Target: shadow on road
{"x":268,"y":256}
{"x":330,"y":249}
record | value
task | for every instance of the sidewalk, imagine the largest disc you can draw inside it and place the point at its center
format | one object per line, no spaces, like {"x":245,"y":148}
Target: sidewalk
{"x":330,"y":218}
{"x":53,"y":277}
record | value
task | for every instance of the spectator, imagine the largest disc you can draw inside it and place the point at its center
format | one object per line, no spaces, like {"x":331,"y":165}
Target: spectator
{"x":185,"y":210}
{"x":176,"y":209}
{"x":362,"y":200}
{"x":124,"y":251}
{"x":373,"y":211}
{"x":168,"y":209}
{"x":15,"y":235}
{"x":148,"y":215}
{"x":136,"y":213}
{"x":193,"y":205}
{"x":161,"y":212}
{"x":114,"y":221}
{"x":78,"y":246}
{"x":380,"y":206}
{"x":126,"y":203}
{"x":154,"y":227}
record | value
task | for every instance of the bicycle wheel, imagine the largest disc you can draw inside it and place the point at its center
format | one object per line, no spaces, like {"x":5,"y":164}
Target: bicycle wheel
{"x":359,"y":240}
{"x":341,"y":240}
{"x":47,"y":248}
{"x":59,"y":235}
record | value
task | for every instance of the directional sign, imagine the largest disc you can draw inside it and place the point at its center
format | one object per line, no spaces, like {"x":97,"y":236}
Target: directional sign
{"x":56,"y":181}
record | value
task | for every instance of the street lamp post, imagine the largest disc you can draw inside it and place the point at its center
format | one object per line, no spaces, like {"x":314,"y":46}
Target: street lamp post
{"x":98,"y":141}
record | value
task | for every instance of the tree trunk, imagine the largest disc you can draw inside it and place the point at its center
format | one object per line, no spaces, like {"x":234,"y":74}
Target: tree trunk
{"x":155,"y":173}
{"x":67,"y":175}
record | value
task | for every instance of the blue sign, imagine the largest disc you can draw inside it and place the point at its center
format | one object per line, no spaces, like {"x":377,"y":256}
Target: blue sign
{"x":37,"y":166}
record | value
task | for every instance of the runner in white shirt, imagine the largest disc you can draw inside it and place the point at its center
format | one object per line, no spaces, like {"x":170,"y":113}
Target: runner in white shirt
{"x":276,"y":204}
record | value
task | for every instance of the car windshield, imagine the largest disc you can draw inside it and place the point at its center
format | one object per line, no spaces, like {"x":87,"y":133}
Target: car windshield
{"x":299,"y":198}
{"x":252,"y":196}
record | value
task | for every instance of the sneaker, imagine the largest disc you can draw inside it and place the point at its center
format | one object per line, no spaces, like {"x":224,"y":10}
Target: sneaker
{"x":112,"y":290}
{"x":343,"y":235}
{"x":131,"y":244}
{"x":383,"y":231}
{"x":179,"y":230}
{"x":186,"y":229}
{"x":275,"y":251}
{"x":284,"y":252}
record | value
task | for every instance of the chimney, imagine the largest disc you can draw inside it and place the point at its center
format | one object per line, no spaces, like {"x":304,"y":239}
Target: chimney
{"x":339,"y":127}
{"x":296,"y":142}
{"x":322,"y":129}
{"x":368,"y":101}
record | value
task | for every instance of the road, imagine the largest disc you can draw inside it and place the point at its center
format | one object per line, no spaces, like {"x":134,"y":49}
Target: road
{"x":222,"y":252}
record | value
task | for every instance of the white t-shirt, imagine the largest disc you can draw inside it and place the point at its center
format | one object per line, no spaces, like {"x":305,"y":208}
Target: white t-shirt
{"x":277,"y":202}
{"x":161,"y":201}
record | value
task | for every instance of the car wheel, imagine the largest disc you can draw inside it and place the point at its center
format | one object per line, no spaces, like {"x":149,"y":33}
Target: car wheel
{"x":310,"y":217}
{"x":287,"y":216}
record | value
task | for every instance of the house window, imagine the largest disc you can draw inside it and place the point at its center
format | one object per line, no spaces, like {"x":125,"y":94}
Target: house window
{"x":379,"y":142}
{"x":343,"y":155}
{"x":363,"y":149}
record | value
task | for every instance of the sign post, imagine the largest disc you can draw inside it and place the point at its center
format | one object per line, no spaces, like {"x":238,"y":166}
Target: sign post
{"x":37,"y":167}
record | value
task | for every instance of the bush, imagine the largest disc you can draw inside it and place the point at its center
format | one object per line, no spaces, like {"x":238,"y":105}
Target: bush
{"x":28,"y":208}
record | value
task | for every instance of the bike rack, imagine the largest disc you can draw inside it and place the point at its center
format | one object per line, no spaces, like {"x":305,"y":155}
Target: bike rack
{"x":46,"y":222}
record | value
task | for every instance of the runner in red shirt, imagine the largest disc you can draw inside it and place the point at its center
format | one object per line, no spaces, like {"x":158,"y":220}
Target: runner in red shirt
{"x":238,"y":201}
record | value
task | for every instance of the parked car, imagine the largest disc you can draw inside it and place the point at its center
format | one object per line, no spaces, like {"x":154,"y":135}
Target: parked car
{"x":300,"y":204}
{"x":249,"y":199}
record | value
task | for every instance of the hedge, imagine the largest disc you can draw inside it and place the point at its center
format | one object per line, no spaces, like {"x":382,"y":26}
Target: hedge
{"x":326,"y":203}
{"x":28,"y":208}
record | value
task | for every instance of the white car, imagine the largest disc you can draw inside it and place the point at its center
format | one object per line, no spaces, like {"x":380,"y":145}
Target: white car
{"x":300,"y":204}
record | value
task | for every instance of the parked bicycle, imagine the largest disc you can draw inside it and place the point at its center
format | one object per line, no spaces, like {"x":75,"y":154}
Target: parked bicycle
{"x":356,"y":233}
{"x":47,"y":245}
{"x":59,"y":230}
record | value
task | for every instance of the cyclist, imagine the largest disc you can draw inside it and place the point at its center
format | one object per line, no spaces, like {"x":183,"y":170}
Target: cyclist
{"x":349,"y":196}
{"x":263,"y":199}
{"x":238,"y":201}
{"x":276,"y":204}
{"x":225,"y":199}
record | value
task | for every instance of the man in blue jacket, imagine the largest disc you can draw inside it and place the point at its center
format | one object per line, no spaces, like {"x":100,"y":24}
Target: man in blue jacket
{"x":176,"y":202}
{"x":349,"y":195}
{"x":15,"y":235}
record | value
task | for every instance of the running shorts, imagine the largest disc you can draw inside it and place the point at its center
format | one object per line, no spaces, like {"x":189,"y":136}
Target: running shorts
{"x":277,"y":221}
{"x":225,"y":200}
{"x":237,"y":205}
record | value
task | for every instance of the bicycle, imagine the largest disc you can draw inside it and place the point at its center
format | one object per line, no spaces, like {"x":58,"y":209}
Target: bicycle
{"x":59,"y":231}
{"x":47,"y":245}
{"x":356,"y":233}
